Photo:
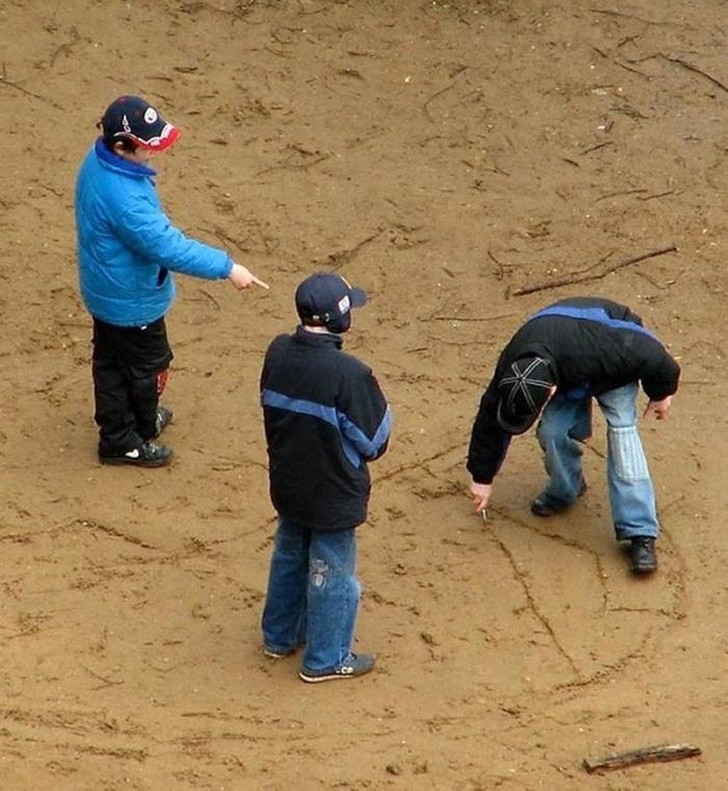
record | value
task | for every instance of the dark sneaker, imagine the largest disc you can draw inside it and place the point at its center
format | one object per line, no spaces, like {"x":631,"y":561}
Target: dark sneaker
{"x":540,"y":506}
{"x":164,"y":418}
{"x":148,"y":454}
{"x":354,"y":665}
{"x":642,"y":557}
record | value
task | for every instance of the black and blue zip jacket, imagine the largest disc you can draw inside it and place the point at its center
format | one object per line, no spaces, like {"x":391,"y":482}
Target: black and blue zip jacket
{"x":325,"y":418}
{"x":592,"y":345}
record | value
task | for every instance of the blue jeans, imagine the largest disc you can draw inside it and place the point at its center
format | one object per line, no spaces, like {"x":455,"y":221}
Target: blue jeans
{"x":565,"y":424}
{"x":313,"y":594}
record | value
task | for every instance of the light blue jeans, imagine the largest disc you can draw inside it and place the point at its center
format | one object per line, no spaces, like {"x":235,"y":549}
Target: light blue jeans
{"x":565,"y":424}
{"x":313,"y":594}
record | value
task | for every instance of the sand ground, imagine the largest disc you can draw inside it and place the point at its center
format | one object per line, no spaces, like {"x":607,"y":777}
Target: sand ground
{"x":447,"y":157}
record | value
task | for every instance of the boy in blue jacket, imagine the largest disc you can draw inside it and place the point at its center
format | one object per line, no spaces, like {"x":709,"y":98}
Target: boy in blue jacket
{"x":127,"y":252}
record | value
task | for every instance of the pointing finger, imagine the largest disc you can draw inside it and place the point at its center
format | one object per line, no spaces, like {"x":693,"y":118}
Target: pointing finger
{"x":259,"y":282}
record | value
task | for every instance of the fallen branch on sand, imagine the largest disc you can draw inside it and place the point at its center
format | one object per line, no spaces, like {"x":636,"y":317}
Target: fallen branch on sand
{"x":690,"y":67}
{"x":573,"y":278}
{"x":663,"y":752}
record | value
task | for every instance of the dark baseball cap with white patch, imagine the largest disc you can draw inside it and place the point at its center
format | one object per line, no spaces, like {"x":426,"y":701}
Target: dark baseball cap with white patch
{"x":134,"y":118}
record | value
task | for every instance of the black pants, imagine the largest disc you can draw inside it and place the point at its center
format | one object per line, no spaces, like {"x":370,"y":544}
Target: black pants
{"x":129,"y":366}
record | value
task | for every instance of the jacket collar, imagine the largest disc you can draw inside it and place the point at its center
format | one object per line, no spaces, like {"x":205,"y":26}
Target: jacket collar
{"x":121,"y":165}
{"x":318,"y":339}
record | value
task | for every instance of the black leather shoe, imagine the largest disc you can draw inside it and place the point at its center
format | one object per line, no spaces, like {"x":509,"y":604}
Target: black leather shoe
{"x":643,"y":559}
{"x":541,"y":506}
{"x":148,"y":454}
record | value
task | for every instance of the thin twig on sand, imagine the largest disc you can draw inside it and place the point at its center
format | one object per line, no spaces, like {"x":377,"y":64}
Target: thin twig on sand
{"x":573,"y":278}
{"x":690,"y":67}
{"x":663,"y":752}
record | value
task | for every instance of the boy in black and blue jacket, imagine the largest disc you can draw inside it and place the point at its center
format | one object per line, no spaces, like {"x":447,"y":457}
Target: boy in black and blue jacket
{"x":561,"y":359}
{"x":325,"y":419}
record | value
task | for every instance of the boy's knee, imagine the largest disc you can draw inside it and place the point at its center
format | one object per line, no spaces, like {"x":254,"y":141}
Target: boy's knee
{"x":627,"y":453}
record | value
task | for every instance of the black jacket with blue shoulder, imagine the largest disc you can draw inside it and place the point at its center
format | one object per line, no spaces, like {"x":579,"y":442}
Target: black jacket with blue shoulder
{"x":325,"y":418}
{"x":592,"y":345}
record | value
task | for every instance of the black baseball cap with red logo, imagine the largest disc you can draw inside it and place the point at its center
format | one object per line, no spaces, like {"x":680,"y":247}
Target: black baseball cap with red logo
{"x":133,"y":118}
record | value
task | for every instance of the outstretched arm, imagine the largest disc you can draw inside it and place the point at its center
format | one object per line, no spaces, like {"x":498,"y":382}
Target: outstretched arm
{"x":488,"y":445}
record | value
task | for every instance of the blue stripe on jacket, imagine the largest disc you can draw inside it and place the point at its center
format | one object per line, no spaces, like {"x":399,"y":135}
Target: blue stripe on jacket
{"x":355,"y":443}
{"x":598,"y":315}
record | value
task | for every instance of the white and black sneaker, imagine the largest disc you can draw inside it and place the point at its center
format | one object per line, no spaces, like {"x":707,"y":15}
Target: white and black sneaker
{"x":148,"y":454}
{"x":353,"y":666}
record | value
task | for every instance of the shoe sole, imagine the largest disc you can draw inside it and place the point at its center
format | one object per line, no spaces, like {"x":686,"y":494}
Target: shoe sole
{"x":277,"y":654}
{"x":330,"y":677}
{"x":639,"y":570}
{"x":134,"y":462}
{"x":547,"y":510}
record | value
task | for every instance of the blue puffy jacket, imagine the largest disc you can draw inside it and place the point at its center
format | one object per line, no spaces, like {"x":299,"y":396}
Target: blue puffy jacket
{"x":127,"y":246}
